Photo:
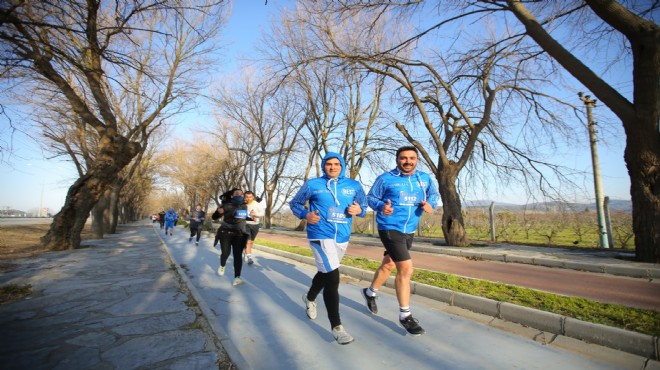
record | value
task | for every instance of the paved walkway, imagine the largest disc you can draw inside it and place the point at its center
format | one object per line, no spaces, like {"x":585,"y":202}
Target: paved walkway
{"x":131,"y":301}
{"x":114,"y":304}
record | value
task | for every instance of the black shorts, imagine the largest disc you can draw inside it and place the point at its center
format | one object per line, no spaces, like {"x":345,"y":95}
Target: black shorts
{"x":252,"y":231}
{"x":397,"y":244}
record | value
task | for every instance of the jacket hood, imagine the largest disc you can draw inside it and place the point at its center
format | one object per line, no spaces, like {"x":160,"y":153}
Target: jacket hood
{"x":341,"y":161}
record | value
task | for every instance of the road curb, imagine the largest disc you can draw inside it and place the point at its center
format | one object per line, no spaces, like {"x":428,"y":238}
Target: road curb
{"x":615,"y":338}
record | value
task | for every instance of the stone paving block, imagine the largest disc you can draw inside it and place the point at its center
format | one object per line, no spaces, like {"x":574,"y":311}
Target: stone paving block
{"x":477,"y":304}
{"x":520,"y":259}
{"x":151,"y":325}
{"x":493,"y":257}
{"x":452,"y":252}
{"x":202,"y":361}
{"x":549,"y":262}
{"x":530,"y":317}
{"x":632,"y":342}
{"x":581,"y":266}
{"x":356,"y":273}
{"x":618,"y":358}
{"x":143,"y":303}
{"x":150,"y":350}
{"x":470,"y":254}
{"x":626,"y":271}
{"x":652,"y":365}
{"x":428,"y":291}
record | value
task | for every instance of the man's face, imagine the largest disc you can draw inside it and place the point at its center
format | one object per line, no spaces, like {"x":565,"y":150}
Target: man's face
{"x":199,"y":208}
{"x":407,"y":161}
{"x":249,"y":198}
{"x":332,"y":167}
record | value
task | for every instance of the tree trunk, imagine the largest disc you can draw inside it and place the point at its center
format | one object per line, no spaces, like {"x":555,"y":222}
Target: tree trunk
{"x":642,"y":152}
{"x":453,"y":226}
{"x":640,"y":119}
{"x":642,"y":156}
{"x":301,"y":225}
{"x":113,"y":208}
{"x":100,"y":224}
{"x":115,"y":152}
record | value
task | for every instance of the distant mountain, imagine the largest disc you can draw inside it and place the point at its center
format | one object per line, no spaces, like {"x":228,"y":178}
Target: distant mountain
{"x":615,"y":205}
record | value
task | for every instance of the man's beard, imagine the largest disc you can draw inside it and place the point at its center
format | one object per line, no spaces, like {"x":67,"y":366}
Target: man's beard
{"x":410,"y":169}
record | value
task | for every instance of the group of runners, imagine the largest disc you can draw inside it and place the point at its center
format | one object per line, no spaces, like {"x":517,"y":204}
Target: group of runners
{"x":328,"y":204}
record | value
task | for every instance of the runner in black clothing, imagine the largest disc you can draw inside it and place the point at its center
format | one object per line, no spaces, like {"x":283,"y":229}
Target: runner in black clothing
{"x":197,"y":218}
{"x":232,"y":233}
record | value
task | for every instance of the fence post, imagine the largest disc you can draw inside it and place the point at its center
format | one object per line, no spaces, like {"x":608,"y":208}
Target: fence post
{"x":492,"y":221}
{"x":608,"y":222}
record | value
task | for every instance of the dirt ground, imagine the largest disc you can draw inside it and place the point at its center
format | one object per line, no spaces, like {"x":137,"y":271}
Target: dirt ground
{"x":17,"y":242}
{"x":21,"y":241}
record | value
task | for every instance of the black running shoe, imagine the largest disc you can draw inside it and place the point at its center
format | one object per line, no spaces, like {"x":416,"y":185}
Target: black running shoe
{"x":371,"y":302}
{"x":412,"y":326}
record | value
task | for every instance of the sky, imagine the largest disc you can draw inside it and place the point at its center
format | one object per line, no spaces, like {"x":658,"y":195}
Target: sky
{"x":31,"y":181}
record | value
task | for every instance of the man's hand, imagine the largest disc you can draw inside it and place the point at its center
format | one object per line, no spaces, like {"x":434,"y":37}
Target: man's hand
{"x":387,"y":208}
{"x":426,"y":206}
{"x":220,"y":210}
{"x":354,"y":209}
{"x":313,"y":217}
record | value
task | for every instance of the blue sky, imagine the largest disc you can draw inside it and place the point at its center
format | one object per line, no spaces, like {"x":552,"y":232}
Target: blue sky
{"x":29,"y":181}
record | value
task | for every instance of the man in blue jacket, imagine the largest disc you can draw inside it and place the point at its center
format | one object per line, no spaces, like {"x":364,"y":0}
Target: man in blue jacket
{"x":400,"y":197}
{"x":333,"y":201}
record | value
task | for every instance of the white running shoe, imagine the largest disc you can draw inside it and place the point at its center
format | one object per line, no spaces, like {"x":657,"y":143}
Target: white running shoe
{"x":310,"y":307}
{"x":221,"y":270}
{"x":238,"y":280}
{"x":341,"y":336}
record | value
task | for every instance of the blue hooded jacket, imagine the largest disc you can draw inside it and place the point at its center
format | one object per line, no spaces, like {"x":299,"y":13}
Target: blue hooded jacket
{"x":405,"y":193}
{"x":331,"y":197}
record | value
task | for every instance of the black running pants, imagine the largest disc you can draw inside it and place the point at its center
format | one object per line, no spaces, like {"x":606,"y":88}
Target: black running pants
{"x":329,"y":283}
{"x":234,"y":242}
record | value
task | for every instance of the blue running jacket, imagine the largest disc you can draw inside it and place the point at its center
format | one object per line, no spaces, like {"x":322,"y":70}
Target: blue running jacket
{"x":405,"y":193}
{"x":331,"y":197}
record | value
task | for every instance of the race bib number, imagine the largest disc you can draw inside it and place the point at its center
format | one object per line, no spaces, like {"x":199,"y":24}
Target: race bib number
{"x":336,"y":215}
{"x":407,"y":198}
{"x":241,"y":213}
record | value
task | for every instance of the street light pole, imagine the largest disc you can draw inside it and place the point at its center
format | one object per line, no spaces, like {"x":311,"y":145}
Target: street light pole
{"x":598,"y":184}
{"x":249,"y":155}
{"x":252,"y":157}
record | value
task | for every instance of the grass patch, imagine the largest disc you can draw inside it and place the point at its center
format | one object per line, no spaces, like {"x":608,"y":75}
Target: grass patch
{"x":14,"y":292}
{"x":638,"y":320}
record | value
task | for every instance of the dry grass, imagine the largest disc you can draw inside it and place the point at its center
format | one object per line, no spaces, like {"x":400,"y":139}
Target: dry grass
{"x":22,"y":241}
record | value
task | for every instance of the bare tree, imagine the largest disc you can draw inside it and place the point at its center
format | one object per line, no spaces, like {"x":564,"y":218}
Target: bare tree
{"x":85,"y":54}
{"x":452,"y":106}
{"x":201,"y":170}
{"x":572,"y":33}
{"x":343,"y":105}
{"x":267,"y":124}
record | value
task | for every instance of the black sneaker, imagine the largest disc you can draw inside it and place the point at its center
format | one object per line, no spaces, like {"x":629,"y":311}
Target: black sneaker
{"x":371,"y":302}
{"x":412,"y":326}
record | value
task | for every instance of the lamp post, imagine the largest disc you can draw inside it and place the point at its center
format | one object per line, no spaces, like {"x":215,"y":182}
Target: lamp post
{"x":598,"y":183}
{"x":252,"y":158}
